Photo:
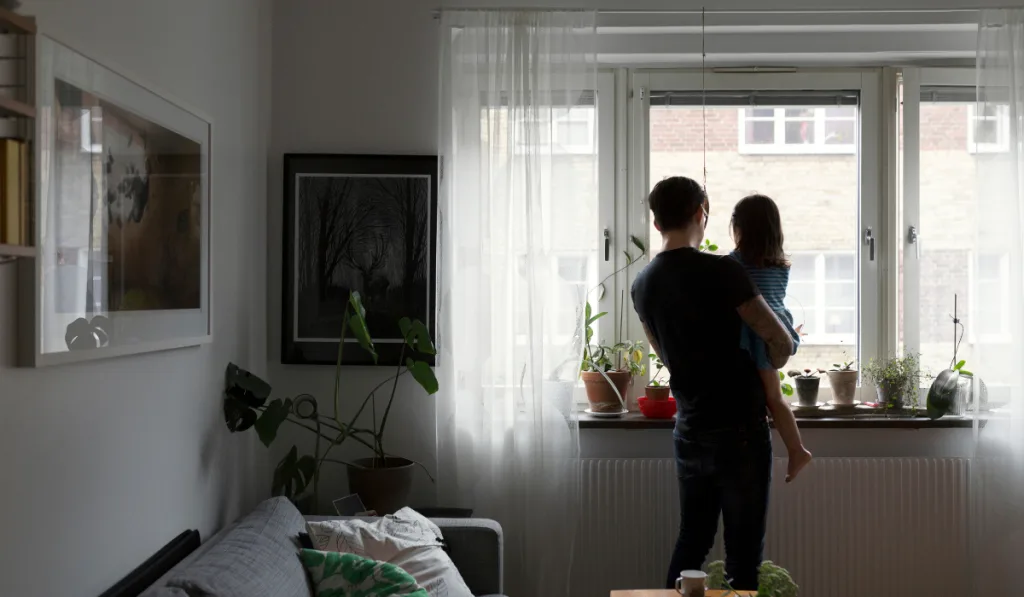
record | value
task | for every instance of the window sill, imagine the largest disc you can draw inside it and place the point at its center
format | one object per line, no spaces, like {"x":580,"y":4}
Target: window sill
{"x":638,"y":421}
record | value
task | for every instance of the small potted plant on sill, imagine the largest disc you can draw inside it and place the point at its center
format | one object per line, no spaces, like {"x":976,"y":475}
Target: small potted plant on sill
{"x":807,"y":384}
{"x":656,"y":390}
{"x":896,"y":380}
{"x":842,"y":377}
{"x":608,"y":373}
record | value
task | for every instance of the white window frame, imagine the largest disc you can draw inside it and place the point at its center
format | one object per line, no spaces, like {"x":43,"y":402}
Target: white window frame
{"x":820,"y":306}
{"x":1002,"y":120}
{"x":780,"y":147}
{"x":556,"y":144}
{"x":871,"y":182}
{"x":973,"y":336}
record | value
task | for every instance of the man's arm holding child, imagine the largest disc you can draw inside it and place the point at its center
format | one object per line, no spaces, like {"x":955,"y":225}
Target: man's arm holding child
{"x":759,"y":316}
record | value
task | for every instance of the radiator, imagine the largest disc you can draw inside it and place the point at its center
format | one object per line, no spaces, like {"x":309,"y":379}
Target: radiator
{"x":884,"y":527}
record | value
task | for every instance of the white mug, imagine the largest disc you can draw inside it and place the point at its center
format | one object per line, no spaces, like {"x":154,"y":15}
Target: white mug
{"x":691,"y":583}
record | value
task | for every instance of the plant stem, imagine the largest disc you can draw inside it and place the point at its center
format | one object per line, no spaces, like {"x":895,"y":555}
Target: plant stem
{"x":337,"y":367}
{"x":384,"y":421}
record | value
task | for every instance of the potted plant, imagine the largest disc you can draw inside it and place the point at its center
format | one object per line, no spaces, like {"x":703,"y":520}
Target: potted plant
{"x":896,"y":381}
{"x":772,"y":580}
{"x":842,"y":377}
{"x":383,"y":480}
{"x":608,"y":373}
{"x":656,"y":390}
{"x":807,"y":383}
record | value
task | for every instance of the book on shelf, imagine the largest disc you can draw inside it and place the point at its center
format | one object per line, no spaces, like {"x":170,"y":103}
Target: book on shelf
{"x":14,"y":199}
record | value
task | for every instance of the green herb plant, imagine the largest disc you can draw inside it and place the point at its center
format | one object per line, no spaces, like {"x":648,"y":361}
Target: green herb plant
{"x":899,"y":377}
{"x":843,"y":366}
{"x":772,"y":580}
{"x":246,"y":405}
{"x":787,"y":389}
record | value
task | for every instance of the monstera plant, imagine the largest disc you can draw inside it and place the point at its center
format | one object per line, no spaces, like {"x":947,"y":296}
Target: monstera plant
{"x":247,"y":404}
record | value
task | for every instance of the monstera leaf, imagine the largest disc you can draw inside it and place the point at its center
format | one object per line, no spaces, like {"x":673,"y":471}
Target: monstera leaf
{"x":268,"y":423}
{"x":243,"y":393}
{"x":293,"y":474}
{"x":86,"y":334}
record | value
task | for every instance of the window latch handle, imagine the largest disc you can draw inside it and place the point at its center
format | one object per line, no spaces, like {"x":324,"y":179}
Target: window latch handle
{"x":607,"y":244}
{"x":869,"y":240}
{"x":914,"y":238}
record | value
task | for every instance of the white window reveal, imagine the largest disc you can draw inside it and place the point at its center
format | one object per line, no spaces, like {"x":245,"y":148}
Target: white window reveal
{"x":798,"y":130}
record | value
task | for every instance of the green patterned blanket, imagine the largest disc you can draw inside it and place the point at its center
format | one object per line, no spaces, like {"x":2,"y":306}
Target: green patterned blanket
{"x":348,"y":575}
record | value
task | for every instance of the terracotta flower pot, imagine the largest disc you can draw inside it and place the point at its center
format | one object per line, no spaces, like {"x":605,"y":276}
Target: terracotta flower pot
{"x":657,"y":393}
{"x":844,"y":387}
{"x":385,"y":489}
{"x":601,"y":394}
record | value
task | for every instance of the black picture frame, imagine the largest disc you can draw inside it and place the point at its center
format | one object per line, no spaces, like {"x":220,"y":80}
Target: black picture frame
{"x":381,"y":212}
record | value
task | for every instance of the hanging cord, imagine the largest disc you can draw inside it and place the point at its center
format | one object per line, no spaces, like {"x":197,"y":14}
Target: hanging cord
{"x":703,"y":100}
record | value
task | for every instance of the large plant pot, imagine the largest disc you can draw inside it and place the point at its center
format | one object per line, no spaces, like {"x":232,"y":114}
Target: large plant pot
{"x":601,"y":394}
{"x":844,"y":387}
{"x":657,"y":393}
{"x":807,"y":390}
{"x":382,"y":488}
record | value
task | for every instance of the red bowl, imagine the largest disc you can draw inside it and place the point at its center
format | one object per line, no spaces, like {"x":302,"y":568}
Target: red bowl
{"x":660,"y":409}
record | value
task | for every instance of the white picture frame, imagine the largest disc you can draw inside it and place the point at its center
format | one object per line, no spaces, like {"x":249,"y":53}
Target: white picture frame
{"x":122,"y":225}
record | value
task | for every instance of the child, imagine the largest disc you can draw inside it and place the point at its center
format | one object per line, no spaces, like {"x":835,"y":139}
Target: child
{"x":757,"y":230}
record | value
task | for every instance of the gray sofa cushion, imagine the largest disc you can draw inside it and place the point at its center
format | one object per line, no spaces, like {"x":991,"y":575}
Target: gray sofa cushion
{"x":256,"y":559}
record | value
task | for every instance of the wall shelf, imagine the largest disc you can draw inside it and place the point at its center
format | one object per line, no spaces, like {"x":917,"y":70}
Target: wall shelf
{"x":17,"y":251}
{"x":13,"y":108}
{"x":11,"y":22}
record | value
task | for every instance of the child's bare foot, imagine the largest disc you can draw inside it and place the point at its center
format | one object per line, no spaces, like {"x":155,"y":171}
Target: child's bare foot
{"x":798,"y":459}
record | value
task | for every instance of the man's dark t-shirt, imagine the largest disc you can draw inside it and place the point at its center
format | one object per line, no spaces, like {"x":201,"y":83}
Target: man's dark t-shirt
{"x":688,"y":300}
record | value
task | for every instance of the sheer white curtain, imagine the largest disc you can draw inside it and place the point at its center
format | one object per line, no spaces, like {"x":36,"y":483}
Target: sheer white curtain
{"x":519,"y":156}
{"x":997,"y":472}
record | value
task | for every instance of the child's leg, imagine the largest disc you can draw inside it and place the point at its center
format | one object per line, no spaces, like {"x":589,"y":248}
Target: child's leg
{"x":785,"y":423}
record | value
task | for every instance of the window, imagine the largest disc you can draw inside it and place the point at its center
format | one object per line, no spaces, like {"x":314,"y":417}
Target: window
{"x":990,"y":302}
{"x":990,"y":130}
{"x":797,"y":140}
{"x":798,"y":130}
{"x":569,"y":132}
{"x":823,"y":297}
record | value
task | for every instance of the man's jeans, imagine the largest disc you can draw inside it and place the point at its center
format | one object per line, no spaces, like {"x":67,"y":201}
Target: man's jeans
{"x":727,"y":472}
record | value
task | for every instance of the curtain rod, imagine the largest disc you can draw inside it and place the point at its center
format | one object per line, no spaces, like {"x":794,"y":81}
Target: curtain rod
{"x":437,"y":11}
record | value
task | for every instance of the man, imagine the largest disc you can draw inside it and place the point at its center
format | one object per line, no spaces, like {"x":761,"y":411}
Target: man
{"x":692,"y":304}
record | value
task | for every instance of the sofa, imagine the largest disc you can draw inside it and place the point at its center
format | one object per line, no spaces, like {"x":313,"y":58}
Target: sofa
{"x":257,"y":557}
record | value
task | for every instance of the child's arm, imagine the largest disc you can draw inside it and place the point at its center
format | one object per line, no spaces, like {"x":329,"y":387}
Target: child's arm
{"x":785,"y":423}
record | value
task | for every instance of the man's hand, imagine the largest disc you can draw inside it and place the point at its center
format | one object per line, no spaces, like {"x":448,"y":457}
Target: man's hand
{"x":760,"y":317}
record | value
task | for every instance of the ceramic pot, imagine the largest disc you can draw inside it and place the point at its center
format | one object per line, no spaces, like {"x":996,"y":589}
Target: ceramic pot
{"x":601,"y":394}
{"x":807,"y":390}
{"x":657,"y":393}
{"x":844,"y":387}
{"x":383,"y":486}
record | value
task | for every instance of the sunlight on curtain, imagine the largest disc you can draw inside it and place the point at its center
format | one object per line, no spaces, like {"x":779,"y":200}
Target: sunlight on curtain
{"x":997,"y":471}
{"x":517,"y":137}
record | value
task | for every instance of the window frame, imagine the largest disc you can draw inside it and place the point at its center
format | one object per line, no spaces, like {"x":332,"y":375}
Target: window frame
{"x":1002,"y":120}
{"x":779,"y":120}
{"x":820,"y":282}
{"x":973,"y":278}
{"x":871,"y":182}
{"x":555,"y":146}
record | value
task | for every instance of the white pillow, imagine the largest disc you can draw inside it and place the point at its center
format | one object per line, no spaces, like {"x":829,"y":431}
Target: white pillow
{"x":406,"y":539}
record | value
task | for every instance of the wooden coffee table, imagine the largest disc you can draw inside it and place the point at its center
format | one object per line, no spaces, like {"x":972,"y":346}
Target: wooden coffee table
{"x":671,"y":593}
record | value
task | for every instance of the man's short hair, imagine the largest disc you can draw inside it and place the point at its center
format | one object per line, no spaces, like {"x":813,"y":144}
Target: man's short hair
{"x":674,"y":200}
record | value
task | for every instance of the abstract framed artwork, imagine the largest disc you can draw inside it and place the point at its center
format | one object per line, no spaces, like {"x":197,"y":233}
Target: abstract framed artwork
{"x":356,"y":222}
{"x":122,"y":216}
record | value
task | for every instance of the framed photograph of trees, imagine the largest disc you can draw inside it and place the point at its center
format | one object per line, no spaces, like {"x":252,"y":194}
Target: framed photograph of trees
{"x":356,"y":222}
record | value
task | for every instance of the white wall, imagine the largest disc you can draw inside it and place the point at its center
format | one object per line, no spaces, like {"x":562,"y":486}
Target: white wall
{"x":104,"y":462}
{"x":350,"y":77}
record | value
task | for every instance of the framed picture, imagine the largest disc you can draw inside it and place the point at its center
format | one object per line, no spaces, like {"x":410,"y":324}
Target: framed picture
{"x":122,"y":216}
{"x":356,"y":222}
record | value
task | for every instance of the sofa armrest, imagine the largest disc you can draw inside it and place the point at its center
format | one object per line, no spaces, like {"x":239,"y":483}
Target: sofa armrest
{"x":476,"y":546}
